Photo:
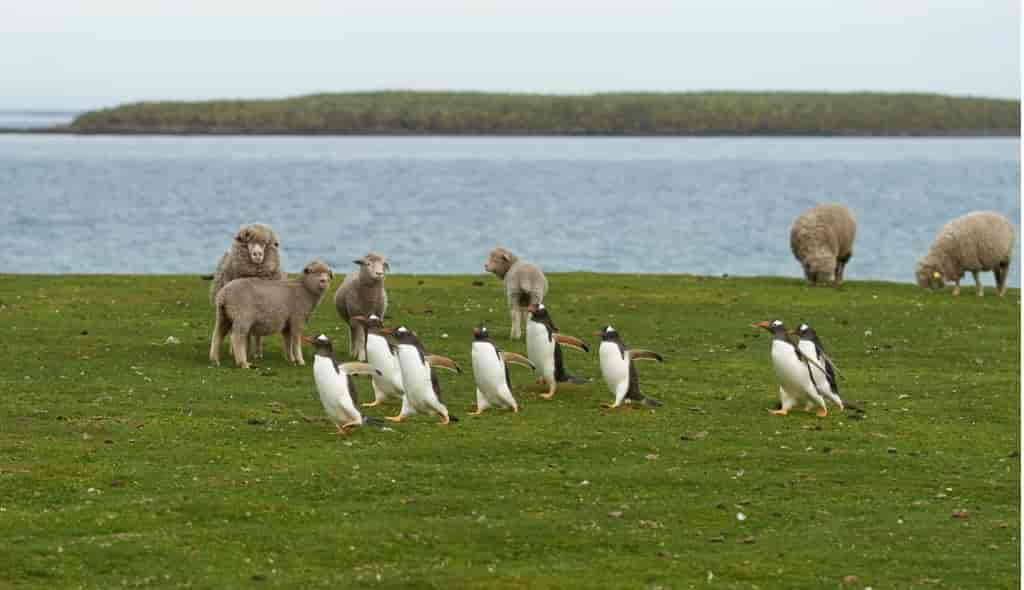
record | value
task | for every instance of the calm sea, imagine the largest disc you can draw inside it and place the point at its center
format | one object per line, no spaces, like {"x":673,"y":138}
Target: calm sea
{"x":710,"y":206}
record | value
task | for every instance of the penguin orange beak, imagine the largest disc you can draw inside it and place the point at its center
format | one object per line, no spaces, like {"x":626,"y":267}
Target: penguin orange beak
{"x":531,"y":308}
{"x":598,"y":333}
{"x":307,"y":339}
{"x":386,"y":331}
{"x":766,"y":325}
{"x":359,"y":318}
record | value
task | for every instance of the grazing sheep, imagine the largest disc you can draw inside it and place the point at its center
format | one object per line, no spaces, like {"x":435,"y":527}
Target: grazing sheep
{"x":255,"y":307}
{"x":978,"y":241}
{"x":822,"y":240}
{"x":255,"y":252}
{"x":362,"y":294}
{"x":525,"y":284}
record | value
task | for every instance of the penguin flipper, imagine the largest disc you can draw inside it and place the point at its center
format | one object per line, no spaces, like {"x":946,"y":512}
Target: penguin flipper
{"x":357,"y":368}
{"x":572,"y":342}
{"x":645,"y":355}
{"x":518,"y":359}
{"x":443,"y":362}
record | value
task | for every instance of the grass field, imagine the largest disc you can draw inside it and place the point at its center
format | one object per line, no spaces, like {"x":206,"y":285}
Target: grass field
{"x":127,"y":461}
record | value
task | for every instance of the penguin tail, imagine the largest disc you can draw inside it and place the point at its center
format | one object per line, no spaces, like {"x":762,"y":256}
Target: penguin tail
{"x":650,"y":402}
{"x":376,"y":423}
{"x":567,"y":378}
{"x":453,"y":418}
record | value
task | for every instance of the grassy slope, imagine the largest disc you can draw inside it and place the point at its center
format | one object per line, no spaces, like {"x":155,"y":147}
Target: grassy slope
{"x":125,"y":460}
{"x":699,"y":113}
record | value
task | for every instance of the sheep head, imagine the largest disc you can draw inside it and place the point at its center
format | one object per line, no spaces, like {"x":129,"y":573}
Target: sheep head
{"x":317,"y":276}
{"x":499,"y":261}
{"x":820,"y":269}
{"x":255,"y":239}
{"x":929,"y":275}
{"x":372,"y":267}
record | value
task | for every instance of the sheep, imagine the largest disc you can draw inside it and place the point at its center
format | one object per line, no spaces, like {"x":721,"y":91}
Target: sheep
{"x":362,"y":294}
{"x":525,"y":284}
{"x":257,"y":307}
{"x":822,"y":241}
{"x":255,"y":252}
{"x":978,"y":241}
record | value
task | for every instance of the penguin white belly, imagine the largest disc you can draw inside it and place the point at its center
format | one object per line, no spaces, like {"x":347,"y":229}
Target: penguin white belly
{"x":791,"y":371}
{"x":540,"y":350}
{"x":489,"y":372}
{"x":379,"y":356}
{"x":614,"y":369}
{"x":419,"y":391}
{"x":334,"y":394}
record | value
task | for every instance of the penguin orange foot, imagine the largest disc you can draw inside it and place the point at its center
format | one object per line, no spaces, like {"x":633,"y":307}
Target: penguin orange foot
{"x":394,"y":418}
{"x":445,"y":420}
{"x":779,"y":412}
{"x":375,"y":402}
{"x":476,"y":413}
{"x":821,"y":413}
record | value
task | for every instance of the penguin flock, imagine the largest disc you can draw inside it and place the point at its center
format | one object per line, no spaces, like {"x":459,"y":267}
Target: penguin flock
{"x":401,"y":369}
{"x":806,"y":375}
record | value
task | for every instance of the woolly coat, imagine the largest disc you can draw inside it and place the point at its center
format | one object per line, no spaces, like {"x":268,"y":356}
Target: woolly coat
{"x":978,"y":241}
{"x":821,"y":237}
{"x":236,"y":263}
{"x":260,"y":307}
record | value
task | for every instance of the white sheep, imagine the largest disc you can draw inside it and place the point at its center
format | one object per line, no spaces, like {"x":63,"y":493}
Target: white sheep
{"x":255,"y":252}
{"x":525,"y":284}
{"x":362,"y":294}
{"x":822,"y":241}
{"x":978,"y":241}
{"x":256,"y":307}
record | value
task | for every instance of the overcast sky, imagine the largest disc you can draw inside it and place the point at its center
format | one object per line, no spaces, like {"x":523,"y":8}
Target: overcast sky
{"x":86,"y":54}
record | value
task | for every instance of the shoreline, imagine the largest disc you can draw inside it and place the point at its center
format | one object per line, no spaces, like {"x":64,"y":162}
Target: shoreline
{"x":271,"y":132}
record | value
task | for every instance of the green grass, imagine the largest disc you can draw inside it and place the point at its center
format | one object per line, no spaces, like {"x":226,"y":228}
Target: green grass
{"x":694,"y":113}
{"x":128,"y":461}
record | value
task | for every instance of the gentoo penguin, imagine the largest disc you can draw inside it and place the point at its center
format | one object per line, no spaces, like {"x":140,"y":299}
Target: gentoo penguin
{"x":619,"y":371}
{"x":490,"y":371}
{"x":380,"y":356}
{"x":543,"y":346}
{"x":824,"y":371}
{"x":793,"y":371}
{"x":422,"y":391}
{"x":335,"y":385}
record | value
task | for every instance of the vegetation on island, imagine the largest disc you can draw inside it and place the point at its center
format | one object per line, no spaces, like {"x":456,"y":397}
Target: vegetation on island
{"x":698,"y":113}
{"x":127,"y":461}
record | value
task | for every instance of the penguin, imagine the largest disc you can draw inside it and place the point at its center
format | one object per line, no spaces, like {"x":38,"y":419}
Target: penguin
{"x":335,"y":385}
{"x":793,"y":371}
{"x":380,"y":356}
{"x":619,"y":371}
{"x":490,"y":371}
{"x":824,"y":374}
{"x":422,"y":390}
{"x":543,"y":347}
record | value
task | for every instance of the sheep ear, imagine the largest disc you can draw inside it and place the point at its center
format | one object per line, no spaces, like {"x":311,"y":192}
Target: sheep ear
{"x":359,"y":261}
{"x":387,"y":267}
{"x":306,"y":271}
{"x":504,"y":256}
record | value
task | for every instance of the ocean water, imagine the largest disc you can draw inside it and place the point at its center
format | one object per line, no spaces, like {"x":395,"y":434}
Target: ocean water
{"x":712,"y":206}
{"x":24,"y":119}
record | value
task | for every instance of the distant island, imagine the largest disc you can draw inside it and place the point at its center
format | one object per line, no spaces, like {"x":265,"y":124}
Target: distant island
{"x":626,"y":114}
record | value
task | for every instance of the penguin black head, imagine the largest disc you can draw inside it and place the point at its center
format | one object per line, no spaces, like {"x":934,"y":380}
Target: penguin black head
{"x":806,"y":332}
{"x":538,"y":312}
{"x":322,"y":345}
{"x":374,"y":322}
{"x":776,"y":327}
{"x":480,"y":333}
{"x":404,"y":335}
{"x":609,"y":334}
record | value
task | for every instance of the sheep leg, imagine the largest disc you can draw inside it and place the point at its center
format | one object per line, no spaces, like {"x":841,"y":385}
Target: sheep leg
{"x":359,"y":342}
{"x":238,"y":344}
{"x":977,"y":283}
{"x":286,"y":343}
{"x":256,"y":346}
{"x":956,"y":287}
{"x":515,"y":315}
{"x":220,"y":330}
{"x":295,"y":342}
{"x":1002,"y":270}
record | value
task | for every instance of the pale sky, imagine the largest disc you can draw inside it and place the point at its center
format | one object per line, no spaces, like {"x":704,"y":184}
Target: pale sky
{"x":63,"y":54}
